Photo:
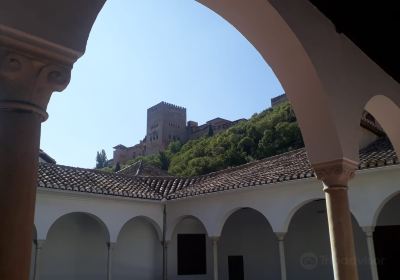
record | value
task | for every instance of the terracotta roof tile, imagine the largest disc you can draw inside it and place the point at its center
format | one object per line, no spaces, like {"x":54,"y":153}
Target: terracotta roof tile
{"x":289,"y":166}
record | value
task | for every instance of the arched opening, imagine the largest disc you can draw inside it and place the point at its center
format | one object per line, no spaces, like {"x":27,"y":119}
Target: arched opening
{"x":248,"y":245}
{"x":190,"y":250}
{"x":384,"y":111}
{"x":75,"y":248}
{"x":387,"y":239}
{"x":307,"y":247}
{"x":138,"y":252}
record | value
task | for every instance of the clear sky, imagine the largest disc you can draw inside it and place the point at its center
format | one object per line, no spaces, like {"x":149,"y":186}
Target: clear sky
{"x":142,"y":52}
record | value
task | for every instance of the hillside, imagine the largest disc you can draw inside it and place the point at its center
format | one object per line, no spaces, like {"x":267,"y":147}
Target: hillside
{"x":268,"y":133}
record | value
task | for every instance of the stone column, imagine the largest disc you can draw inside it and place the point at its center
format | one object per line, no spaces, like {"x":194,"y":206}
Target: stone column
{"x":369,"y":232}
{"x":282,"y":258}
{"x":215,"y":240}
{"x":335,"y":176}
{"x":36,"y":265}
{"x":110,"y":247}
{"x":30,"y":70}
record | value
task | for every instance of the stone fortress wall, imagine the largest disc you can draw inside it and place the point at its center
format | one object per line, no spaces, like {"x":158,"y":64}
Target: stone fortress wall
{"x":167,"y":123}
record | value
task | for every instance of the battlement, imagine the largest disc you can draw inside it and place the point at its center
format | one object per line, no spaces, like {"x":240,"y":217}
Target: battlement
{"x":167,"y":105}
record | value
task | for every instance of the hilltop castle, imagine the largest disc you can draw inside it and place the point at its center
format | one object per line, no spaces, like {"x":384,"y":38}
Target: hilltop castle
{"x":167,"y":123}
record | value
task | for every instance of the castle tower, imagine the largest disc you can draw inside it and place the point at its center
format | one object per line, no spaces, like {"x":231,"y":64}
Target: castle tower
{"x":165,"y":123}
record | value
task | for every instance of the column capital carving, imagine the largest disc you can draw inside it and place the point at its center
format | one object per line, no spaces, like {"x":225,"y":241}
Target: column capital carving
{"x":214,"y":238}
{"x":336,"y":173}
{"x":280,"y":235}
{"x":31,"y":69}
{"x":39,"y":244}
{"x":369,"y":230}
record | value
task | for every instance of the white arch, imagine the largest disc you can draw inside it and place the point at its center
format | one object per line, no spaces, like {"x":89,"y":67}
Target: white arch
{"x":175,"y":222}
{"x":382,"y":205}
{"x":295,"y":209}
{"x":222,"y":221}
{"x":92,"y":216}
{"x":152,"y":222}
{"x":386,"y":112}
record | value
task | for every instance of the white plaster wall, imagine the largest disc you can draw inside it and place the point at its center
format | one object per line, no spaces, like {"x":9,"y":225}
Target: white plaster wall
{"x":307,"y":245}
{"x":247,"y":233}
{"x":276,"y":202}
{"x":114,"y":212}
{"x":76,"y":248}
{"x":186,"y":226}
{"x":137,"y":253}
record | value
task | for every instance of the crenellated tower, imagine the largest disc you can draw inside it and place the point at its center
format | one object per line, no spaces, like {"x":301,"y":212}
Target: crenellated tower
{"x":165,"y":123}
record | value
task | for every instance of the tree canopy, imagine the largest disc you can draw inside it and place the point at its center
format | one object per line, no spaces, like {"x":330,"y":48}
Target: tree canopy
{"x":101,"y":159}
{"x":271,"y":132}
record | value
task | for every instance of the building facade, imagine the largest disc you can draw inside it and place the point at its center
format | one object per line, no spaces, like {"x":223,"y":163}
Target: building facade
{"x":262,"y":220}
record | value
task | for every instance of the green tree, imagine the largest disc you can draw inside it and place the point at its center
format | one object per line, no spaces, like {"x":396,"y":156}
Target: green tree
{"x":101,"y":159}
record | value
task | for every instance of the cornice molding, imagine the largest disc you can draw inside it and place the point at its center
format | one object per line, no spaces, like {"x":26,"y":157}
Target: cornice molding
{"x":336,"y":173}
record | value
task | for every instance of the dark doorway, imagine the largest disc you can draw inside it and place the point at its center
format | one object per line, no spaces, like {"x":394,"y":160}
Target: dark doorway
{"x":387,"y":250}
{"x":235,"y":267}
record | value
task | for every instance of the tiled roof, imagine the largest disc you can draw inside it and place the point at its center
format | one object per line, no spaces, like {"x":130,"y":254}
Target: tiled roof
{"x":140,"y":168}
{"x":289,"y":166}
{"x":92,"y":181}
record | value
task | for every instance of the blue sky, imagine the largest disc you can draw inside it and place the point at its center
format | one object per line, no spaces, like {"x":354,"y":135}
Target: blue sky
{"x":142,"y":52}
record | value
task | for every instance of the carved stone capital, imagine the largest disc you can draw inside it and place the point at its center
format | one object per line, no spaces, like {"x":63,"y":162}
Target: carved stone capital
{"x":31,"y":69}
{"x":337,"y":173}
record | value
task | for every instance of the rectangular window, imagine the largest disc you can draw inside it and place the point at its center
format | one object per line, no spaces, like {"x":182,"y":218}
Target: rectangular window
{"x":192,"y":254}
{"x":235,"y":267}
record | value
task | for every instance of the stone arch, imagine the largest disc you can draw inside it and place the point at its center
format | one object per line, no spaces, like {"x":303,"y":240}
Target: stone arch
{"x":295,"y":209}
{"x":171,"y":226}
{"x":386,"y":111}
{"x":382,"y":205}
{"x":285,"y":50}
{"x":149,"y":220}
{"x":248,"y":234}
{"x":137,"y":254}
{"x":307,"y":244}
{"x":229,"y":213}
{"x":75,"y":248}
{"x":91,"y":215}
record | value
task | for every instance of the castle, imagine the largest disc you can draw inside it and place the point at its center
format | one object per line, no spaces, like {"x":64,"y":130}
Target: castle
{"x":167,"y":123}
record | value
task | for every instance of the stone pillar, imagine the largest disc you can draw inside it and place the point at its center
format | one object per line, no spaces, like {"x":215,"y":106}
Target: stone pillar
{"x":110,"y":247}
{"x":282,"y":258}
{"x":36,"y":264}
{"x":30,"y":70}
{"x":369,"y":232}
{"x":215,"y":240}
{"x":335,"y":176}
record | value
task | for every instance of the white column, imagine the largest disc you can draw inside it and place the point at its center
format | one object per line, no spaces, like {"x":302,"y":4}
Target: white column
{"x":281,"y":237}
{"x":215,"y":255}
{"x":38,"y":247}
{"x":369,"y":232}
{"x":110,"y":246}
{"x":165,"y":259}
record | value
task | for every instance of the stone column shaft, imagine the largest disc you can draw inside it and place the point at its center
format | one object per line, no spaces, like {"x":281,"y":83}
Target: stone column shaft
{"x":335,"y":175}
{"x":369,"y":232}
{"x":282,"y":258}
{"x":30,"y":70}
